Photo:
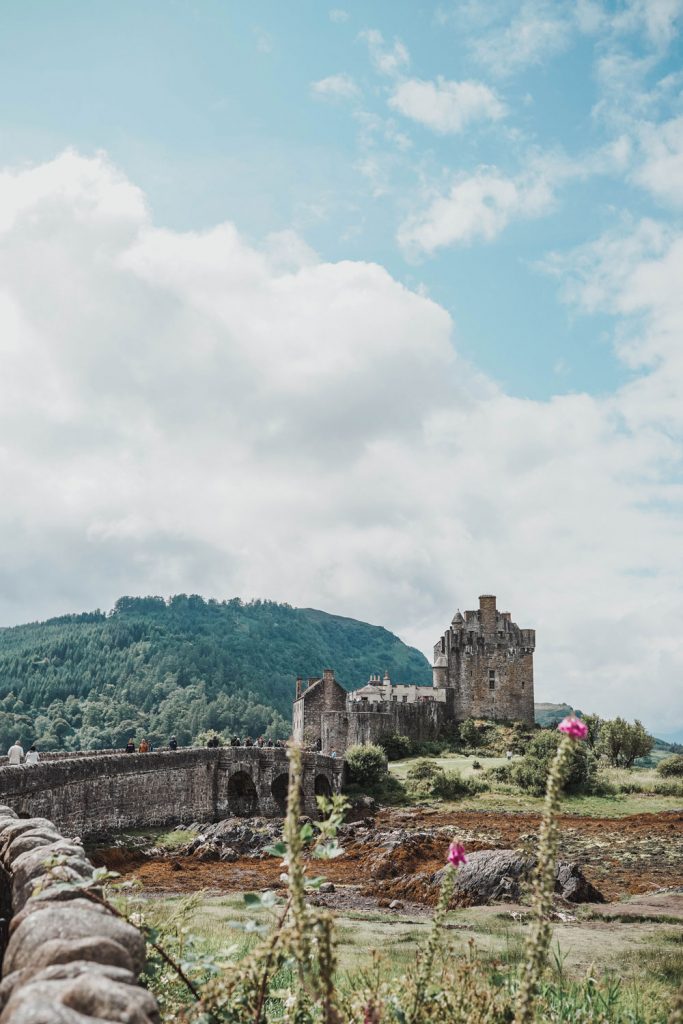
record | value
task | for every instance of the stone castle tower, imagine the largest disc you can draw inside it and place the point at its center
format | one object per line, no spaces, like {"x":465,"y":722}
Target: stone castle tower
{"x":485,"y":663}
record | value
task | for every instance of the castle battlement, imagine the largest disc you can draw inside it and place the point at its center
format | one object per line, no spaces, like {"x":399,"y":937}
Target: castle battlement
{"x":483,"y":668}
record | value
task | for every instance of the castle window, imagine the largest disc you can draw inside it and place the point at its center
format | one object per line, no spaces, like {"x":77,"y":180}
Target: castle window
{"x":404,"y":699}
{"x":492,"y":679}
{"x":522,"y":684}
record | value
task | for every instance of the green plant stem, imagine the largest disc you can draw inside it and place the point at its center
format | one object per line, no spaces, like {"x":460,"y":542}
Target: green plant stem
{"x":269,"y":959}
{"x":544,"y":886}
{"x":427,"y":962}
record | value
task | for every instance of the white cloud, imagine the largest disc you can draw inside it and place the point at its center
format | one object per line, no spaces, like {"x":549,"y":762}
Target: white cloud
{"x":338,"y":15}
{"x":538,"y":30}
{"x":445,"y":106}
{"x":186,"y":411}
{"x":476,"y":208}
{"x":658,"y":19}
{"x":340,"y":86}
{"x":387,"y":60}
{"x":661,"y":168}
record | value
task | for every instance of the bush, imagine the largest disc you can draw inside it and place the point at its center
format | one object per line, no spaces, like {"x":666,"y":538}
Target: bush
{"x":469,"y":733}
{"x":450,"y":785}
{"x":422,"y":771}
{"x":531,"y":772}
{"x":476,"y":765}
{"x":671,"y":766}
{"x":499,"y":773}
{"x":395,"y":746}
{"x":367,"y":765}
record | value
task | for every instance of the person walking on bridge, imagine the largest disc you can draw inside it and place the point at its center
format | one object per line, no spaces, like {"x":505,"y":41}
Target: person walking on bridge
{"x":173,"y":743}
{"x":144,"y":746}
{"x":130,"y":746}
{"x":32,"y":755}
{"x":15,"y":754}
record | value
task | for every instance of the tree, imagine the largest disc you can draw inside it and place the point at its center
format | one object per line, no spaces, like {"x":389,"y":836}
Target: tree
{"x":531,"y":773}
{"x":469,"y":733}
{"x":622,"y":742}
{"x":396,"y":746}
{"x":593,"y":724}
{"x":367,"y":765}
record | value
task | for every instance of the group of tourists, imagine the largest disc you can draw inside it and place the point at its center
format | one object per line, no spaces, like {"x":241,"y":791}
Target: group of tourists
{"x":15,"y":754}
{"x":214,"y":741}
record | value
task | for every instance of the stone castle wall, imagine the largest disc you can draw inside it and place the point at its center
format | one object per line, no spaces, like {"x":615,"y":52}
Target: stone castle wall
{"x":419,"y":722}
{"x":87,"y":795}
{"x":486,"y":661}
{"x":66,"y":959}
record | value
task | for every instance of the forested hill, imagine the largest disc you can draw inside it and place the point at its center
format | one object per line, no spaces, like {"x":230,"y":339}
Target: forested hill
{"x":154,"y":667}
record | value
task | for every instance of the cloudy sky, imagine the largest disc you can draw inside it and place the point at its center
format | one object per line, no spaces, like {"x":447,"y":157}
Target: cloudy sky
{"x":371,"y":308}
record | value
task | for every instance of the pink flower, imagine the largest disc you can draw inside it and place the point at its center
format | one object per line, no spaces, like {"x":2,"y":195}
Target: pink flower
{"x":574,"y":727}
{"x":456,"y":854}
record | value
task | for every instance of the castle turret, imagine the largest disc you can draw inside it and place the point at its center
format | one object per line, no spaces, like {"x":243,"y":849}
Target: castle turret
{"x":440,"y":671}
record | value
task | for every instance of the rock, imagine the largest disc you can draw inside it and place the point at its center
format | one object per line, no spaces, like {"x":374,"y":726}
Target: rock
{"x":571,"y":884}
{"x":228,"y":854}
{"x":327,"y":887}
{"x":31,"y":869}
{"x":490,"y":875}
{"x":176,"y":866}
{"x":396,"y":905}
{"x":208,"y":851}
{"x":493,"y":875}
{"x":56,"y":923}
{"x":362,"y":808}
{"x":82,"y":999}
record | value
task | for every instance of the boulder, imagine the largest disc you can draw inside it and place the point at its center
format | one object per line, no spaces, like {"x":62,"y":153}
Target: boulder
{"x":493,"y":875}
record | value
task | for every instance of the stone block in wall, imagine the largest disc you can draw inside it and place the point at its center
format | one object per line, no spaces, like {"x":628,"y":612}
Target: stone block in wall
{"x":68,"y":960}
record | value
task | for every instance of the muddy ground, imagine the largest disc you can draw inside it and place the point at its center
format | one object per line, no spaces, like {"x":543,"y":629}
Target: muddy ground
{"x":621,"y":857}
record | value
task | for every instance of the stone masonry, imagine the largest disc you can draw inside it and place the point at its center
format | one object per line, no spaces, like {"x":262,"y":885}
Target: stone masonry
{"x":483,"y":668}
{"x":91,"y":794}
{"x":68,"y":960}
{"x":486,"y":664}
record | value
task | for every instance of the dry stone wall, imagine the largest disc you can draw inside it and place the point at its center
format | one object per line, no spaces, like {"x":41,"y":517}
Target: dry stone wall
{"x":67,"y":960}
{"x":85,"y":796}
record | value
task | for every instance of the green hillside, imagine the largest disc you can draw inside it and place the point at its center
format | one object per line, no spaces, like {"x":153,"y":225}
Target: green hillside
{"x":154,"y":667}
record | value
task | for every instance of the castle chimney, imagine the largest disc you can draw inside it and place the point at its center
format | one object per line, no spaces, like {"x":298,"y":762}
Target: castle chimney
{"x":487,"y":613}
{"x":299,"y":681}
{"x":328,"y":675}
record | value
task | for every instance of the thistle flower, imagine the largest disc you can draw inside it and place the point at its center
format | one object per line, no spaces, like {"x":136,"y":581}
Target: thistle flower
{"x":456,"y":854}
{"x":573,"y":727}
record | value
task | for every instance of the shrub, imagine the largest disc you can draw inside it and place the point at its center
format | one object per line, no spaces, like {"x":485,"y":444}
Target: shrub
{"x":395,"y":746}
{"x":499,"y":773}
{"x":476,"y":765}
{"x":450,"y":785}
{"x":367,"y":765}
{"x":531,"y":772}
{"x":423,"y":771}
{"x":469,"y":732}
{"x":671,"y":766}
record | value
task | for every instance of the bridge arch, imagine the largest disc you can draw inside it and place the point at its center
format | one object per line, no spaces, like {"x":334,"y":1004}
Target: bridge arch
{"x":322,"y":786}
{"x":279,"y":789}
{"x":242,"y":795}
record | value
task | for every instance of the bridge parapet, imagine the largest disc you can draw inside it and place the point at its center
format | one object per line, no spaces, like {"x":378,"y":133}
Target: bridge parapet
{"x":87,"y":795}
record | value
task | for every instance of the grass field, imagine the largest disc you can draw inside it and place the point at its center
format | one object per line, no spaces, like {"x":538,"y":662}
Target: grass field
{"x":644,"y":956}
{"x":509,"y":798}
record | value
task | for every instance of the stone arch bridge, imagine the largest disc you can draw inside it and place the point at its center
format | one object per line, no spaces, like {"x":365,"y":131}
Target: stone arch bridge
{"x":92,"y":793}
